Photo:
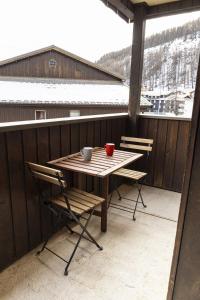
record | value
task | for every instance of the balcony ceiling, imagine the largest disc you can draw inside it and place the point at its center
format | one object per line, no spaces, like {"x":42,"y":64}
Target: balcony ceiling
{"x":155,"y":8}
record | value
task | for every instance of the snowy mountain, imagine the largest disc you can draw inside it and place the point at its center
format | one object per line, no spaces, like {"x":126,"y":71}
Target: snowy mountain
{"x":170,"y":59}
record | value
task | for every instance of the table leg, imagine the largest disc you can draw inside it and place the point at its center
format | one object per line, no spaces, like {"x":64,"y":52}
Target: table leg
{"x":105,"y":186}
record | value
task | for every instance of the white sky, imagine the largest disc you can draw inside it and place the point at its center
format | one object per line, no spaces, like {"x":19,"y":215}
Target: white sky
{"x":84,"y":27}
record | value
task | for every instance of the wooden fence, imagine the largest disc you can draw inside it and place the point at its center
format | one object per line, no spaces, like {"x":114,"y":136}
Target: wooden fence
{"x":167,"y":161}
{"x":24,"y":223}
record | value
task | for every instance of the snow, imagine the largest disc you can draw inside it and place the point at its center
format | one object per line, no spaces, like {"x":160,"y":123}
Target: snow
{"x":63,"y":91}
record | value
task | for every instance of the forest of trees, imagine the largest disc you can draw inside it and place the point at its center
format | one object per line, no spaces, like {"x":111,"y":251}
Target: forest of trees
{"x":170,"y":58}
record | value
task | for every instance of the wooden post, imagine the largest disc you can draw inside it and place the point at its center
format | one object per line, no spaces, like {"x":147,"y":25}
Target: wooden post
{"x":136,"y":66}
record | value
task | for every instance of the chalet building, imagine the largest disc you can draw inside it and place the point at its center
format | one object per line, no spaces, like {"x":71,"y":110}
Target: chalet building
{"x":53,"y":83}
{"x":168,"y":102}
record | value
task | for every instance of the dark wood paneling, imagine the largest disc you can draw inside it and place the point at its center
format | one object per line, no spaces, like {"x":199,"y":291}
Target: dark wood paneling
{"x":97,"y":143}
{"x":103,"y":133}
{"x":33,"y":203}
{"x":24,"y":221}
{"x":75,"y":147}
{"x":17,"y":192}
{"x":65,"y":140}
{"x":109,"y":131}
{"x":90,"y":143}
{"x":83,"y":143}
{"x":7,"y":242}
{"x":43,"y":148}
{"x":170,"y":154}
{"x":160,"y":153}
{"x":167,"y":161}
{"x":181,"y":155}
{"x":150,"y":164}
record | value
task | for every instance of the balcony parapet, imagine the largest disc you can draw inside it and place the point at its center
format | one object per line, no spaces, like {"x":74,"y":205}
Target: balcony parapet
{"x":164,"y":117}
{"x":20,"y":125}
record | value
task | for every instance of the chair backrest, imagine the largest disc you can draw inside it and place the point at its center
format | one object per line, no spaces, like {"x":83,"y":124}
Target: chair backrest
{"x":136,"y":143}
{"x":47,"y":174}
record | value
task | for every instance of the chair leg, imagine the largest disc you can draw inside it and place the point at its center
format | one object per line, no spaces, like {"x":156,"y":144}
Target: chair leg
{"x":84,"y":230}
{"x":109,"y":202}
{"x":69,"y":228}
{"x":115,"y":189}
{"x":140,"y":192}
{"x":88,"y":234}
{"x":138,"y":196}
{"x":43,"y":247}
{"x":119,"y":195}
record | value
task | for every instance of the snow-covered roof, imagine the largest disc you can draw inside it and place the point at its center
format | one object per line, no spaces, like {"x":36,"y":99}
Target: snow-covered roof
{"x":20,"y":90}
{"x":61,"y":91}
{"x":145,"y":102}
{"x":156,"y":93}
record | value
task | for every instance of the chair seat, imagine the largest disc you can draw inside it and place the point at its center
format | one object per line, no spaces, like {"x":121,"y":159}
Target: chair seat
{"x":135,"y":175}
{"x":80,"y":201}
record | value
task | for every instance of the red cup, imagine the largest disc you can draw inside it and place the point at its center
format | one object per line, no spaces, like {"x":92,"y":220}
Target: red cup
{"x":109,"y":147}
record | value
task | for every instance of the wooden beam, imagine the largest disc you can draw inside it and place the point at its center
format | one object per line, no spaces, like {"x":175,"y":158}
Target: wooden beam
{"x":185,"y":276}
{"x":126,"y":10}
{"x":168,"y":9}
{"x":136,"y":65}
{"x":123,"y":8}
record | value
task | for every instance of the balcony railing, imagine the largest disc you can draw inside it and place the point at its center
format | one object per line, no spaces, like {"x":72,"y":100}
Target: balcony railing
{"x":23,"y":222}
{"x":167,"y":161}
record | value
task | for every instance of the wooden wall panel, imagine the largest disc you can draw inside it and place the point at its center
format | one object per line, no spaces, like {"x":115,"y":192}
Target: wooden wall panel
{"x":33,"y":203}
{"x":90,"y":143}
{"x":17,"y":192}
{"x":43,"y":153}
{"x":181,"y":155}
{"x":160,"y":143}
{"x":75,"y":147}
{"x":167,"y":161}
{"x":150,"y":165}
{"x":7,"y":242}
{"x":170,"y":155}
{"x":83,"y":143}
{"x":65,"y":140}
{"x":103,"y":134}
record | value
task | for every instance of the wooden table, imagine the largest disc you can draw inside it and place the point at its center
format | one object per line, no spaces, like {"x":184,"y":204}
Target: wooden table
{"x":101,"y":166}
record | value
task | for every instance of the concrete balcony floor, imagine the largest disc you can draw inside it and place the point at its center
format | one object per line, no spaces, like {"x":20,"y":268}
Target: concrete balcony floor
{"x":135,"y":263}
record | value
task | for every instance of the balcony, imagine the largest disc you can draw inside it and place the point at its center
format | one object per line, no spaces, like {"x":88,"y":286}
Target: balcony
{"x":135,"y":252}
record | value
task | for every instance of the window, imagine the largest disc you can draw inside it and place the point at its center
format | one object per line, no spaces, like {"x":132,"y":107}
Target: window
{"x":40,"y":114}
{"x":74,"y":113}
{"x":52,"y":63}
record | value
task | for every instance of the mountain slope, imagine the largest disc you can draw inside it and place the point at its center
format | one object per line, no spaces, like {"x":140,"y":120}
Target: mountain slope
{"x":170,"y":58}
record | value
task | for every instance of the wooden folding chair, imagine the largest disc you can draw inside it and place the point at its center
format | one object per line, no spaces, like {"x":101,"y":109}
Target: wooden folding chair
{"x":68,"y":204}
{"x":132,"y":143}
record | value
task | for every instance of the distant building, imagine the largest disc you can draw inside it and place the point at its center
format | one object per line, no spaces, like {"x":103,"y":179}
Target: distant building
{"x":54,"y":83}
{"x":168,"y":102}
{"x":41,"y":98}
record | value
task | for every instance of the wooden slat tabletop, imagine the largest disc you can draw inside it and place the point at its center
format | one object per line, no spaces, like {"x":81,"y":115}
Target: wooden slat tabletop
{"x":100,"y":165}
